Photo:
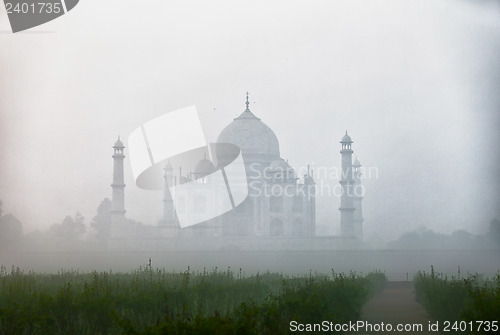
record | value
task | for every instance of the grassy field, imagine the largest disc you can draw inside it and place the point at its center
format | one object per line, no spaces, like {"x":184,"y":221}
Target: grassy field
{"x":153,"y":301}
{"x":471,"y":299}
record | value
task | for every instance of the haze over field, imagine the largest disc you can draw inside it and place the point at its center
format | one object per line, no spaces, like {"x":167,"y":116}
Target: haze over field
{"x":415,"y":83}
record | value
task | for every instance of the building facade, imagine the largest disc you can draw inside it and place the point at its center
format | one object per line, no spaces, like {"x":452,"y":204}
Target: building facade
{"x":279,"y":203}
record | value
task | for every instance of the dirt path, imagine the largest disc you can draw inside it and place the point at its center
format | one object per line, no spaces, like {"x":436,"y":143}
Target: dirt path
{"x":396,"y":305}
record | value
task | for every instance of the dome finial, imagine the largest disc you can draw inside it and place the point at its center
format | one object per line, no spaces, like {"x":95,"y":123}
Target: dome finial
{"x":346,"y":138}
{"x":247,"y":103}
{"x":118,"y":143}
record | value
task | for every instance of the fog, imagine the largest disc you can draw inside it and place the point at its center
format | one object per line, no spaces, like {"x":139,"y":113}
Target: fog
{"x":397,"y":265}
{"x":415,"y":84}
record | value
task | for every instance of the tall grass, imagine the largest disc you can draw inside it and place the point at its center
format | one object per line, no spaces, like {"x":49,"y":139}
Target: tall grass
{"x":153,"y":301}
{"x":455,"y":299}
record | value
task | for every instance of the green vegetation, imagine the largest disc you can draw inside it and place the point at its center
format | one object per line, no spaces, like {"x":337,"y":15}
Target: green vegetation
{"x":149,"y":301}
{"x":468,"y":299}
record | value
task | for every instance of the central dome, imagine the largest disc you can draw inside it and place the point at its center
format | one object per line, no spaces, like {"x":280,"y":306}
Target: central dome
{"x":252,"y":136}
{"x":204,"y":168}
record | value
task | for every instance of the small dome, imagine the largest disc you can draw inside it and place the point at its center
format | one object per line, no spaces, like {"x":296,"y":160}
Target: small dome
{"x":282,"y":166}
{"x":252,"y":135}
{"x":118,"y":143}
{"x":346,"y":139}
{"x":204,"y":168}
{"x":356,"y":163}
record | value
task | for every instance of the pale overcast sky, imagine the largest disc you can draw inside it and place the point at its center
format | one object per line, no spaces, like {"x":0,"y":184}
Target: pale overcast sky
{"x":416,"y":84}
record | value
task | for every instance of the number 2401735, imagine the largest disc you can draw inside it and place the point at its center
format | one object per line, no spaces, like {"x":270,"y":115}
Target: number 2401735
{"x":462,"y":326}
{"x":33,"y":8}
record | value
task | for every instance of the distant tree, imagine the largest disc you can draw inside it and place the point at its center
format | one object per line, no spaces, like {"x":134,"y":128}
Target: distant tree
{"x":11,"y":230}
{"x":70,"y":228}
{"x":422,"y":238}
{"x":494,"y":232}
{"x":101,"y":223}
{"x":10,"y":227}
{"x":462,"y":236}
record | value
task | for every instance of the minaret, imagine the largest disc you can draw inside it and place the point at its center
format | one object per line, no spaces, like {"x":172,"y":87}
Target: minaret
{"x":311,"y":201}
{"x":358,"y":198}
{"x":169,"y":218}
{"x":346,"y":200}
{"x":118,"y":186}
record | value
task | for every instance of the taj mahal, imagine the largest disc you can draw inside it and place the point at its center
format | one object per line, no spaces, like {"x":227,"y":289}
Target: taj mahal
{"x":278,"y":212}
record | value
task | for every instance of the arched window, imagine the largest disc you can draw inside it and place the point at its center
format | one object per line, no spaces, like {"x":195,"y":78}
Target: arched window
{"x":297,"y":204}
{"x":297,"y":228}
{"x":276,"y":204}
{"x":276,"y":227}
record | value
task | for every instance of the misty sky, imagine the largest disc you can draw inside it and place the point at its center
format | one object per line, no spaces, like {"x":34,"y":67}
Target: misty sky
{"x":416,"y":84}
